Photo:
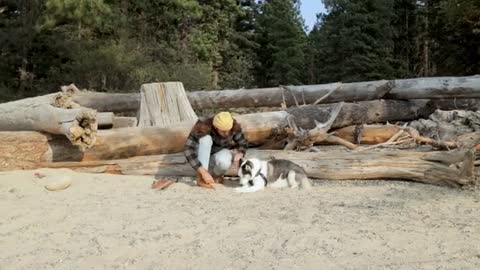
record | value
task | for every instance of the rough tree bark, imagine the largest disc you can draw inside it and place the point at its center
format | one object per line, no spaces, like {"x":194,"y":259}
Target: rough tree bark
{"x":55,"y":114}
{"x":426,"y":167}
{"x":259,"y":128}
{"x":464,"y":89}
{"x":123,"y":122}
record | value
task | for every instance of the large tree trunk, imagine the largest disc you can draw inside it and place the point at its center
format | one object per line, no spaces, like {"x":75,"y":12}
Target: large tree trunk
{"x":164,"y":104}
{"x":123,"y":122}
{"x":55,"y":114}
{"x":259,"y":128}
{"x":469,"y":104}
{"x":108,"y":102}
{"x":420,"y":88}
{"x":426,"y":167}
{"x":21,"y":149}
{"x":365,"y":112}
{"x":105,"y":120}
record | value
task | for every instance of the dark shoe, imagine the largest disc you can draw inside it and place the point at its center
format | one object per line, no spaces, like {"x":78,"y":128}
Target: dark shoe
{"x":219,"y":179}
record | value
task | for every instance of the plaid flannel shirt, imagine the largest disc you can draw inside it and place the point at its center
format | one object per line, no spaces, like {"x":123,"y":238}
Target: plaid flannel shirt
{"x":235,"y":140}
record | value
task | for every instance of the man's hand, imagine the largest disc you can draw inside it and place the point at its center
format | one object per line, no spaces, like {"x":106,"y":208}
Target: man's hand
{"x":206,"y":176}
{"x":237,"y":157}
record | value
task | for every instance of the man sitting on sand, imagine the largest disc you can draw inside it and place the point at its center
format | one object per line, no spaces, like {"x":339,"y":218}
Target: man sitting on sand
{"x":211,"y":147}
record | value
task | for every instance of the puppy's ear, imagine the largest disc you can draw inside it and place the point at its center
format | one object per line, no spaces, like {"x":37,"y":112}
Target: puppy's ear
{"x":240,"y":161}
{"x":249,"y":165}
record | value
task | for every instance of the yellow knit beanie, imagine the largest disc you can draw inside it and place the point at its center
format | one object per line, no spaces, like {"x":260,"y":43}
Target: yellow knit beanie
{"x":223,"y":121}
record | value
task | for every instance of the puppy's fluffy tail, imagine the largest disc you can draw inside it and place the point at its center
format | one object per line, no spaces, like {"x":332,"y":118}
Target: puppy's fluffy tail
{"x":303,"y":180}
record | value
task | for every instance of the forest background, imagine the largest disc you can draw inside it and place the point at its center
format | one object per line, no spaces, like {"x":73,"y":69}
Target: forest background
{"x":117,"y":45}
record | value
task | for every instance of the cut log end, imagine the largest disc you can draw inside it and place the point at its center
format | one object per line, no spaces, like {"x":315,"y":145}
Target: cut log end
{"x":70,"y":89}
{"x":82,"y":132}
{"x":64,"y":99}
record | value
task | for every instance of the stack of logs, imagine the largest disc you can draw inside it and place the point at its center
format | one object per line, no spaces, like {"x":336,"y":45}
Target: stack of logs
{"x":61,"y":130}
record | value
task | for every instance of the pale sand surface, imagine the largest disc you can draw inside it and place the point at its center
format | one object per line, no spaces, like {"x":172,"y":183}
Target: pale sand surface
{"x":118,"y":222}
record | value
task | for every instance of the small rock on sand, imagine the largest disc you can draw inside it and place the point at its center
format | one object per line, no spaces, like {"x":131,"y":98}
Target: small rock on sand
{"x":58,"y":182}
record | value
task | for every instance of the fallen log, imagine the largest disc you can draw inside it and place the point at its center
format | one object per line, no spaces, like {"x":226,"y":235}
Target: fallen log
{"x":118,"y":143}
{"x":300,"y":139}
{"x":24,"y":150}
{"x":105,"y":119}
{"x":367,"y":134}
{"x":445,"y":125}
{"x":55,"y":114}
{"x":468,"y":104}
{"x":365,"y":112}
{"x":436,"y":88}
{"x":425,"y":167}
{"x":259,"y":129}
{"x":378,"y":134}
{"x":420,"y":88}
{"x":123,"y":121}
{"x":108,"y":102}
{"x":20,"y":148}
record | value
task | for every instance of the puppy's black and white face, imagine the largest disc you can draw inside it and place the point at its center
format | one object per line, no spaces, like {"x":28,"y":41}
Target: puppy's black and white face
{"x":246,"y":168}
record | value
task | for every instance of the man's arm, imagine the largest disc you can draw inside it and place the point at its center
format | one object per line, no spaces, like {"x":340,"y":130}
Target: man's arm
{"x":190,"y":152}
{"x":241,"y":142}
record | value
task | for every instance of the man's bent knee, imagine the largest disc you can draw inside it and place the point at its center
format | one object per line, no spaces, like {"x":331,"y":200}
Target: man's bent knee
{"x":223,"y":161}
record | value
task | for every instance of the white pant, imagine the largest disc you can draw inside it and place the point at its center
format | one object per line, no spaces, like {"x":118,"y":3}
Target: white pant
{"x":222,"y":160}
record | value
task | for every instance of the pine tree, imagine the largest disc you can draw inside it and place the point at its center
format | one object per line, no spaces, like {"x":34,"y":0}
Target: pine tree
{"x":425,"y":43}
{"x":354,"y":41}
{"x":282,"y":41}
{"x":83,"y":13}
{"x":405,"y":28}
{"x":238,"y":52}
{"x":457,"y":33}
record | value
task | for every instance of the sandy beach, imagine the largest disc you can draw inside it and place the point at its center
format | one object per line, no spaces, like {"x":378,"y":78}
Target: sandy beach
{"x":118,"y":222}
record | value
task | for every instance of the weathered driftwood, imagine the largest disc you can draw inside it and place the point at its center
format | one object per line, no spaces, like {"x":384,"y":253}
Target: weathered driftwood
{"x":426,"y":167}
{"x":55,"y":114}
{"x":164,"y":104}
{"x":108,"y":102}
{"x":124,"y":121}
{"x":21,"y":149}
{"x":259,"y":128}
{"x":367,"y":134}
{"x":299,"y":138}
{"x":364,"y":112}
{"x":378,"y":134}
{"x":468,"y":104}
{"x":105,"y":119}
{"x":420,"y":88}
{"x":447,"y":125}
{"x":122,"y":142}
{"x":436,"y":88}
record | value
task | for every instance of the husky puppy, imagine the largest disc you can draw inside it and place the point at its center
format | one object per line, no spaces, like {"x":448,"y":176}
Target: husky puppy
{"x":256,"y":174}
